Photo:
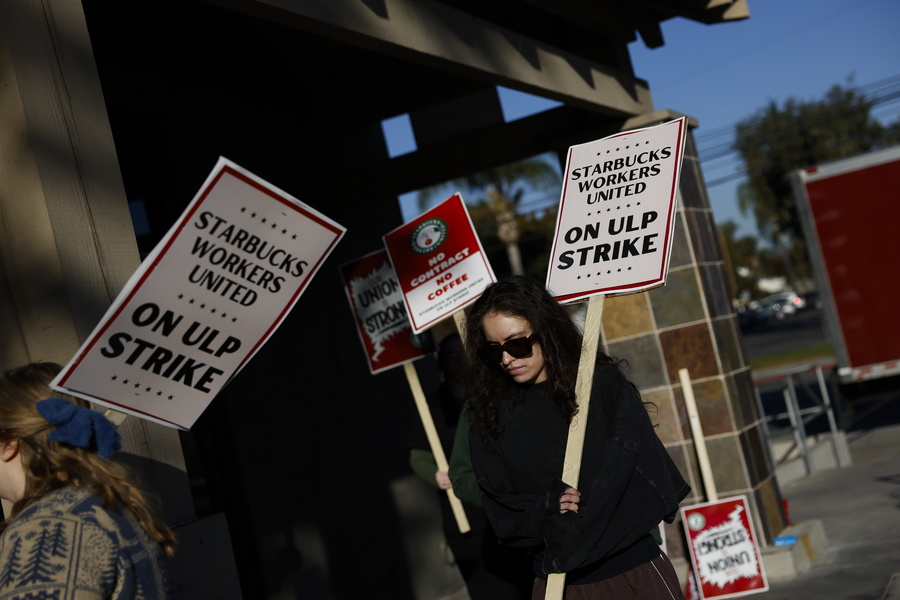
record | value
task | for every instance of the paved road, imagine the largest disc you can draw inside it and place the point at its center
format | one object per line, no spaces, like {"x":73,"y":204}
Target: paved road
{"x":805,"y":329}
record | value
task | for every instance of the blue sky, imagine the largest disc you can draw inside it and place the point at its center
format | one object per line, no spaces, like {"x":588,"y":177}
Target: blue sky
{"x":724,"y":73}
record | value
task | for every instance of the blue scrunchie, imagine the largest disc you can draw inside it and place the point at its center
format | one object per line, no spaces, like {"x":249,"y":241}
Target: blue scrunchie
{"x":81,"y":427}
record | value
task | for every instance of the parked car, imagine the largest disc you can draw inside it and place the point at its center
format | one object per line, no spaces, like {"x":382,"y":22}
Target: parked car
{"x":777,"y":309}
{"x":751,"y":319}
{"x":813,"y":300}
{"x":783,"y":304}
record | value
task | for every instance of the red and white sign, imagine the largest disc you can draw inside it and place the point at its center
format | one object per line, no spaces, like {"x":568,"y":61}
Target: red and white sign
{"x":724,"y":554}
{"x":440,"y":263}
{"x":377,"y":302}
{"x":204,"y":301}
{"x":617,"y":213}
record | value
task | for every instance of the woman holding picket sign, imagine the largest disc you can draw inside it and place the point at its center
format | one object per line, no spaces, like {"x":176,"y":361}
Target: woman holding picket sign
{"x":78,"y":527}
{"x":524,"y":351}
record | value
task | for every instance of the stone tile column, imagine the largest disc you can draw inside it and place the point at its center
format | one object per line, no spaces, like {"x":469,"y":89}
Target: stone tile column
{"x":690,"y":323}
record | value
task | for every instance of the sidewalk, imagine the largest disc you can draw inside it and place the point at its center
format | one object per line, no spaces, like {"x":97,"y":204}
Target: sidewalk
{"x":859,"y":508}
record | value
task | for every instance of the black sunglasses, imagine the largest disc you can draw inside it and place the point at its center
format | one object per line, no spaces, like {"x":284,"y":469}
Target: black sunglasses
{"x":517,"y":348}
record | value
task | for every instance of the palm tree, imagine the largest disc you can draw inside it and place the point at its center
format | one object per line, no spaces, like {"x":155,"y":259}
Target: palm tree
{"x":502,"y":188}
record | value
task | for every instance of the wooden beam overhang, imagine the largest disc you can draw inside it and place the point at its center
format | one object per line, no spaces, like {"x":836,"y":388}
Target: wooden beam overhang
{"x":443,"y":37}
{"x":556,"y":129}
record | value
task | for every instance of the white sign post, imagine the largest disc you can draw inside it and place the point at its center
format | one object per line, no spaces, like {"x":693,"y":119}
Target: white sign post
{"x":613,"y":236}
{"x":204,"y":301}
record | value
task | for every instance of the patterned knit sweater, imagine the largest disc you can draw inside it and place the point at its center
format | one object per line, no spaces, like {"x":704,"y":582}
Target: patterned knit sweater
{"x":67,"y":546}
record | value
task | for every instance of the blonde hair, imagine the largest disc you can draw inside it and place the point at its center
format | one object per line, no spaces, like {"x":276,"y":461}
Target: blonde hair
{"x":50,"y":465}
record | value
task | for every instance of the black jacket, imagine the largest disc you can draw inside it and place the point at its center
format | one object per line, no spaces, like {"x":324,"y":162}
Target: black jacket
{"x":628,"y":482}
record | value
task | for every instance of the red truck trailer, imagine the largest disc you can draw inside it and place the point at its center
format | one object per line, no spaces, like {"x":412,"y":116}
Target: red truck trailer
{"x":850,"y":214}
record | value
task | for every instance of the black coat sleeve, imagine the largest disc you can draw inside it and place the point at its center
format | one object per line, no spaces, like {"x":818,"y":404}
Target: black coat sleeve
{"x":627,"y":479}
{"x":624,"y":482}
{"x":517,"y":518}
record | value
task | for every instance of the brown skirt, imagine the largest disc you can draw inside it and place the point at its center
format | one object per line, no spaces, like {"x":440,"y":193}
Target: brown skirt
{"x":654,"y":580}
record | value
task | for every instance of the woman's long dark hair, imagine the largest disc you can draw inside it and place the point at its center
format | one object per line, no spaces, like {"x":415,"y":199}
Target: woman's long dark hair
{"x":523,"y":297}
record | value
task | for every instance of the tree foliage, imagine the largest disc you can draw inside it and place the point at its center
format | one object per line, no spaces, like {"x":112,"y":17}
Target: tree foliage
{"x":780,"y":139}
{"x":747,"y":263}
{"x":511,"y":180}
{"x":741,"y":260}
{"x":535,"y":239}
{"x":494,"y":197}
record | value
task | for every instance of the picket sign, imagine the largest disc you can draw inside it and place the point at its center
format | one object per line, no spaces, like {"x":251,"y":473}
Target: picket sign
{"x":385,"y":333}
{"x":725,"y":556}
{"x":738,"y":564}
{"x":696,"y":520}
{"x":556,"y":582}
{"x":147,"y":357}
{"x":390,"y":345}
{"x":442,"y":268}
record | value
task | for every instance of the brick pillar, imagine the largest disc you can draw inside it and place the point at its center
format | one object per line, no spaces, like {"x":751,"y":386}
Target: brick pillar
{"x":690,"y":323}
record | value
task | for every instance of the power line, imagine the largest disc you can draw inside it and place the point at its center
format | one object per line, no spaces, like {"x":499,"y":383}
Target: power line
{"x":883,"y":94}
{"x":880,"y":91}
{"x":731,"y":59}
{"x":718,"y":151}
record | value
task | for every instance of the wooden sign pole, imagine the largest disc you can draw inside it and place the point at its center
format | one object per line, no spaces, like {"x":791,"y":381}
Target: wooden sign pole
{"x":435,"y":442}
{"x":459,"y":317}
{"x":712,"y":495}
{"x":556,"y":582}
